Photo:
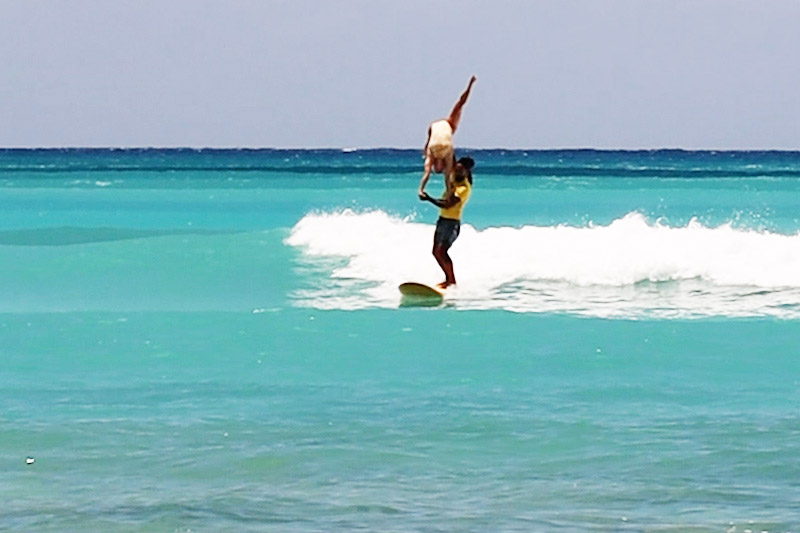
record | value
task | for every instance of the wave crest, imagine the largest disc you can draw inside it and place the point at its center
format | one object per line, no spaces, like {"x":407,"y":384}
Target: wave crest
{"x":630,"y":267}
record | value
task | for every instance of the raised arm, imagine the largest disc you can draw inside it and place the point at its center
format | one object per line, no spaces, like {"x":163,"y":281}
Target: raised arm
{"x":455,"y":114}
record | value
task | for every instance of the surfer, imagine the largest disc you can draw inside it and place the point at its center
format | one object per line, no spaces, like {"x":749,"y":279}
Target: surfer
{"x":438,"y":152}
{"x":449,"y":223}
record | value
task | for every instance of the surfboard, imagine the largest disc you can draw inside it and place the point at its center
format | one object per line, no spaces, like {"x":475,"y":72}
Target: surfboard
{"x":420,"y":294}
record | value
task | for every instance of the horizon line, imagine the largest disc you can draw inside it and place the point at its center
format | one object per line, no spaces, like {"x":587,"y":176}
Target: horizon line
{"x":376,"y":148}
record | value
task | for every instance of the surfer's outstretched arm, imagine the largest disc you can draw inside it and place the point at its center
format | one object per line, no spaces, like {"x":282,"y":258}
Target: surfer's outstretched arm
{"x":444,"y":203}
{"x":455,"y":114}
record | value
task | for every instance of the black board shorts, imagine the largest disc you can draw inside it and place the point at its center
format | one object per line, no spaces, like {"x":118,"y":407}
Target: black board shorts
{"x":446,"y":232}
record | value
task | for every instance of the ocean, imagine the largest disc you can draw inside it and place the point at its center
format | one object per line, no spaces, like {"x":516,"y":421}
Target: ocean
{"x":213,"y":340}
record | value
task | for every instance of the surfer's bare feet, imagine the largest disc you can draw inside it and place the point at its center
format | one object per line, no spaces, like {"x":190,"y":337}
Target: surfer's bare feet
{"x":444,"y":285}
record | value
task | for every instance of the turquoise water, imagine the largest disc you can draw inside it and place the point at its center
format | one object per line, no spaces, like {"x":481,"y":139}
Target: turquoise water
{"x":212,"y":340}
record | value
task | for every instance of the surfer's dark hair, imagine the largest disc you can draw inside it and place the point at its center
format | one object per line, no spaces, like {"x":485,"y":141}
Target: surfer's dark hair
{"x":468,"y":163}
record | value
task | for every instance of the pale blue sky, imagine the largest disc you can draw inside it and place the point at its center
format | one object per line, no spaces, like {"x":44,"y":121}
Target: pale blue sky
{"x":300,"y":73}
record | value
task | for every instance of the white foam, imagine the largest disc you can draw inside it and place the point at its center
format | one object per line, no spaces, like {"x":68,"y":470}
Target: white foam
{"x":631,"y":267}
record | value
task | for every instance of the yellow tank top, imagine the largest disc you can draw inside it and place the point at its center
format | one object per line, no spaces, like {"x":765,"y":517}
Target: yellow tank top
{"x":462,"y":191}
